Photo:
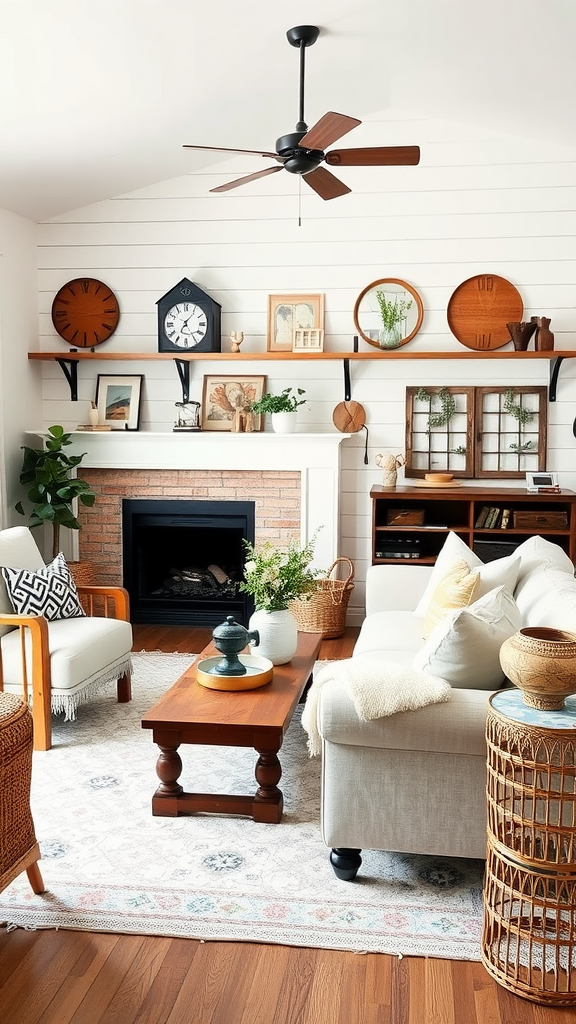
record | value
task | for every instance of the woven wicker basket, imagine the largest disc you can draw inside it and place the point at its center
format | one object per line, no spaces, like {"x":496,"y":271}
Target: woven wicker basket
{"x":325,"y":611}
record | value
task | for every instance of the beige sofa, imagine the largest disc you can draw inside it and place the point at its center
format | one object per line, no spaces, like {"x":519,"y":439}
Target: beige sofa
{"x":415,"y":781}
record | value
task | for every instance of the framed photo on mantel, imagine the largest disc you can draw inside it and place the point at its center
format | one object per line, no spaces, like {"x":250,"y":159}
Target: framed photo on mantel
{"x":290,"y":313}
{"x":118,"y":399}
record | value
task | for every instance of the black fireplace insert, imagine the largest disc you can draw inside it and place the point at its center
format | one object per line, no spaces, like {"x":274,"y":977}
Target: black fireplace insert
{"x":183,"y":560}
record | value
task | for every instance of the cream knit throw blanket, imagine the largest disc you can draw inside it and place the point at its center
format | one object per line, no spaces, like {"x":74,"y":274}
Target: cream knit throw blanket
{"x":376,"y":688}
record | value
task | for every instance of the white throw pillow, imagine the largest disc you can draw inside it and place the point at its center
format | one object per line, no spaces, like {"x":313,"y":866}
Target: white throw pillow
{"x":536,"y":552}
{"x":547,"y":597}
{"x":501,"y":572}
{"x":464,"y":648}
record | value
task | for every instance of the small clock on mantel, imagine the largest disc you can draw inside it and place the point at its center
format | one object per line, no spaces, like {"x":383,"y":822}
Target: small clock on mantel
{"x":188,"y":320}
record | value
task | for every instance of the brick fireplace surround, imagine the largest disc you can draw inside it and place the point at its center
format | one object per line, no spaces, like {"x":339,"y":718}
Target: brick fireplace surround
{"x":293,"y":479}
{"x":276,"y":496}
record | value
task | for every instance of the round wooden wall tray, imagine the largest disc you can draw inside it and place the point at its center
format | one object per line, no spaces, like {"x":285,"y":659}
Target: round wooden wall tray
{"x":479,"y":310}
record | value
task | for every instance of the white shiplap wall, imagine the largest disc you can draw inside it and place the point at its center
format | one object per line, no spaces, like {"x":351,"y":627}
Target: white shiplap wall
{"x":478,"y":202}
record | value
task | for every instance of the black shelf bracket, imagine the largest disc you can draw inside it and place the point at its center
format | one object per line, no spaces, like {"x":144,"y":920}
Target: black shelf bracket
{"x":554,"y":371}
{"x":183,"y":367}
{"x":69,"y":368}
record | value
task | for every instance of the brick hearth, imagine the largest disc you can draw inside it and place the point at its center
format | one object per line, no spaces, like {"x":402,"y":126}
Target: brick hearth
{"x":276,"y":494}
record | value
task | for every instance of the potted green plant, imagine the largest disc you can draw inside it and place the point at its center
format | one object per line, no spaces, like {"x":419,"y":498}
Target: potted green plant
{"x":393,"y":310}
{"x":52,"y":487}
{"x":274,"y":577}
{"x":282,"y":408}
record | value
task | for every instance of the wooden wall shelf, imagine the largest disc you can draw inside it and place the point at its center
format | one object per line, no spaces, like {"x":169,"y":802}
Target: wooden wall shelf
{"x":277,"y":356}
{"x":68,"y":361}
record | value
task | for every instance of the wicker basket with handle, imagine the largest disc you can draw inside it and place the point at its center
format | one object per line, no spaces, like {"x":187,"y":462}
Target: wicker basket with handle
{"x":325,"y":611}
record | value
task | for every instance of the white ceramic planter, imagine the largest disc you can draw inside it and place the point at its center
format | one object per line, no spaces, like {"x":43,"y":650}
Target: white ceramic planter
{"x":278,"y":635}
{"x":283,"y":422}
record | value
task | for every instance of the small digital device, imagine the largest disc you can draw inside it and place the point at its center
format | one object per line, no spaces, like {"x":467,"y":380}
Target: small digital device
{"x":537,"y":481}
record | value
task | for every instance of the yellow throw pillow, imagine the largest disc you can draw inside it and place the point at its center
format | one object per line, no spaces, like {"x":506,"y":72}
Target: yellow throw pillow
{"x":457,"y":589}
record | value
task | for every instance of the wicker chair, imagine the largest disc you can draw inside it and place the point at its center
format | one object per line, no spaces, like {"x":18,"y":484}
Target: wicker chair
{"x":19,"y":850}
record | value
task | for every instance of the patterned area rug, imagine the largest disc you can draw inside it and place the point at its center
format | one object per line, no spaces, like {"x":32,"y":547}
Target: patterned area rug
{"x":110,"y":866}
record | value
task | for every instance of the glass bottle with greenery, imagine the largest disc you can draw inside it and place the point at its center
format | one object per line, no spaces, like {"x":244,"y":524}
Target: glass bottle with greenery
{"x":393,"y":310}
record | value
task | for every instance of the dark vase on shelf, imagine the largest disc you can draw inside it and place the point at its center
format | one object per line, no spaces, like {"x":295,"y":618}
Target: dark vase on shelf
{"x":521,"y":334}
{"x":544,"y":340}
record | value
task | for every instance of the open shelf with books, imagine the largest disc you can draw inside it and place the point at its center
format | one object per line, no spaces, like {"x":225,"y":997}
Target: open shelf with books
{"x":410,"y":524}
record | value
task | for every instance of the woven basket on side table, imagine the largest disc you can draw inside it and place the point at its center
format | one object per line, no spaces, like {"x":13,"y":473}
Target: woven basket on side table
{"x":325,"y":611}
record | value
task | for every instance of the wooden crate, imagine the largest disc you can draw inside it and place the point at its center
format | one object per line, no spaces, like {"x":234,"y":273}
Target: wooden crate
{"x":540,"y":520}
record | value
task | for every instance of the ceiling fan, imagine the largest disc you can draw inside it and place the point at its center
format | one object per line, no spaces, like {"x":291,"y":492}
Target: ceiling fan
{"x":302,"y":151}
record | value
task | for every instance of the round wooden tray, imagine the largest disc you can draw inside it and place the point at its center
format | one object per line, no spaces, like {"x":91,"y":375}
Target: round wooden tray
{"x":431,"y":483}
{"x":261,"y":672}
{"x":479,"y":310}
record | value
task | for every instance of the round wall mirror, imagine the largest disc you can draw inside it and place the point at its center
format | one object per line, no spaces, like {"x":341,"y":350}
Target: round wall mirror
{"x":388,"y":313}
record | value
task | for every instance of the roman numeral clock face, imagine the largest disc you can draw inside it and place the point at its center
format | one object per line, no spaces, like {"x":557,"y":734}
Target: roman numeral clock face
{"x":185,"y":325}
{"x":85,"y":312}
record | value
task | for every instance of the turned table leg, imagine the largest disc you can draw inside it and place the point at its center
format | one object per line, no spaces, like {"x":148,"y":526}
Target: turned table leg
{"x":268,"y":799}
{"x":168,"y":770}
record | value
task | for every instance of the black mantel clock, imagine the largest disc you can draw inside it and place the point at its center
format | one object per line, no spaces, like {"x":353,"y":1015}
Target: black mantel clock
{"x":188,"y":320}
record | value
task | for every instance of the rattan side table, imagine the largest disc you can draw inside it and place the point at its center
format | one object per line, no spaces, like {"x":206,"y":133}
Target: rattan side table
{"x":529,"y":933}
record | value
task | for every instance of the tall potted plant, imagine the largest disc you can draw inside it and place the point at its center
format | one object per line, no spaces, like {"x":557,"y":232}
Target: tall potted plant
{"x":48,"y":474}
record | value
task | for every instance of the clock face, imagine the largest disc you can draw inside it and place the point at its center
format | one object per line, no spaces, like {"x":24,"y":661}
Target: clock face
{"x":185,"y":324}
{"x":85,"y":312}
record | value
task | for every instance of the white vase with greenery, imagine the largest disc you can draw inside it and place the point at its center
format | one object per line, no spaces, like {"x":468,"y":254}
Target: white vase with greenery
{"x":274,"y":577}
{"x":282,"y":409}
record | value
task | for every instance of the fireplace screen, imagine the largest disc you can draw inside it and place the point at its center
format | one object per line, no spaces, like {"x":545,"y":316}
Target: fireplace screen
{"x":183,"y":560}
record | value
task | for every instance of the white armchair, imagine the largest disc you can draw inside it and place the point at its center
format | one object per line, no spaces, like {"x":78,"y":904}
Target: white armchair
{"x":61,"y":663}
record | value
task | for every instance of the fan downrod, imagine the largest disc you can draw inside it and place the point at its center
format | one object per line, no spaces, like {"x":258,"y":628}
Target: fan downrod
{"x":307,"y":34}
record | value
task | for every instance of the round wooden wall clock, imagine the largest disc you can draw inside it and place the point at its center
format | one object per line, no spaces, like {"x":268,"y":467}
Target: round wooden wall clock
{"x":85,"y":312}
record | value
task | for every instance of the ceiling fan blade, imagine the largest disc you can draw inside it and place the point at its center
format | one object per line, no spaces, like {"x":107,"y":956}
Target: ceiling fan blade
{"x":375,"y":156}
{"x":326,"y":184}
{"x":327,"y":130}
{"x":222,"y":149}
{"x":246,"y":179}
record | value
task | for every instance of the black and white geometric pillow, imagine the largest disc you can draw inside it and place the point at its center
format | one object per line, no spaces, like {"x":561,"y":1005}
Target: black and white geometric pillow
{"x":50,"y":591}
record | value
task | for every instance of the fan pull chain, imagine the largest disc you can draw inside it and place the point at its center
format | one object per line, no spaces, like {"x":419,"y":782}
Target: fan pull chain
{"x":299,"y":201}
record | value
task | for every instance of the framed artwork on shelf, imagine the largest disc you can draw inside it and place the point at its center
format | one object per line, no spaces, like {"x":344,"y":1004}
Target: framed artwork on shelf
{"x":118,"y":398}
{"x":289,"y":313}
{"x":308,"y":339}
{"x":224,"y":394}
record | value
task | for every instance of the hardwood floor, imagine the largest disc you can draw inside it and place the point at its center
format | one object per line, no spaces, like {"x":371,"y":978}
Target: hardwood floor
{"x":64,"y":977}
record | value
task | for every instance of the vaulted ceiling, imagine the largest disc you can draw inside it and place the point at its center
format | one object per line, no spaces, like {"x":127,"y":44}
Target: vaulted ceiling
{"x":97,"y":97}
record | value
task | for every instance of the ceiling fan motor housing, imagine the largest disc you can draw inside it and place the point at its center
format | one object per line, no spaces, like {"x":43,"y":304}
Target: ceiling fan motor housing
{"x":298,"y":160}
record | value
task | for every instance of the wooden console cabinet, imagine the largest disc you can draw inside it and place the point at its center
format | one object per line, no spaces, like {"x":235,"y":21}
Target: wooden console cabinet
{"x":410,"y":523}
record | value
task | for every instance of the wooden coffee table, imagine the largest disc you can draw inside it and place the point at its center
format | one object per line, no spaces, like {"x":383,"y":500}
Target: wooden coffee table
{"x":190,"y":713}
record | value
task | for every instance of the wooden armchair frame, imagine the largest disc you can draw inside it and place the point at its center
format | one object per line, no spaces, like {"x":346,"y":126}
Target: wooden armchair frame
{"x":106,"y":602}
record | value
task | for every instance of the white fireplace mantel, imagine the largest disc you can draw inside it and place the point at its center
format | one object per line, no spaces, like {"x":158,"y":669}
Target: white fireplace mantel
{"x":315,"y":456}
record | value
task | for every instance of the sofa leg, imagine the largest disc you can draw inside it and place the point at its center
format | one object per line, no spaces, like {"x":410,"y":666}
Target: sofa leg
{"x":345,"y":863}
